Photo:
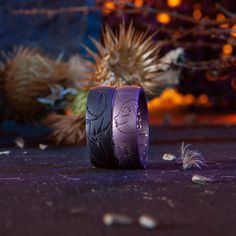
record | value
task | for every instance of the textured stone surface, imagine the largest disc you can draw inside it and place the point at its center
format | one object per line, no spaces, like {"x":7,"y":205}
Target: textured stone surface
{"x":58,"y":192}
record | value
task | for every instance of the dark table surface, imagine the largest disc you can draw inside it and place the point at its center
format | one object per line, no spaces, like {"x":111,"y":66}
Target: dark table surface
{"x":58,"y":192}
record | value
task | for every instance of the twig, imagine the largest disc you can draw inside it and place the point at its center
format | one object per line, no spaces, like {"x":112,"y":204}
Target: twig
{"x":67,"y":177}
{"x":203,"y":27}
{"x":131,"y":9}
{"x":225,"y":11}
{"x":13,"y":178}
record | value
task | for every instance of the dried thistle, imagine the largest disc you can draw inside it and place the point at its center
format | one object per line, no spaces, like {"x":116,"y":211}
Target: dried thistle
{"x":190,"y":158}
{"x":127,"y":58}
{"x":58,"y":95}
{"x":27,"y":75}
{"x":79,"y":67}
{"x":68,"y":130}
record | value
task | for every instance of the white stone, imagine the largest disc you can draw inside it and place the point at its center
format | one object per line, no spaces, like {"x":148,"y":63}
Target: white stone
{"x":201,"y":179}
{"x":169,"y":157}
{"x":113,"y":219}
{"x":20,"y":142}
{"x":147,"y":222}
{"x":4,"y":152}
{"x":43,"y":146}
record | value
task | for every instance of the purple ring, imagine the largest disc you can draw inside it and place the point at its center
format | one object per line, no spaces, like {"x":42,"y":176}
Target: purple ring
{"x":130,"y":127}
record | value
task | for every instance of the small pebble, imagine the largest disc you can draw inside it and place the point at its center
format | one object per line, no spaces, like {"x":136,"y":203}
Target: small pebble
{"x":49,"y":203}
{"x":20,"y":142}
{"x":112,"y":219}
{"x":208,"y":192}
{"x":4,"y":152}
{"x":76,"y":210}
{"x":147,"y":197}
{"x":169,"y":157}
{"x":43,"y":146}
{"x":147,"y":222}
{"x":199,"y":179}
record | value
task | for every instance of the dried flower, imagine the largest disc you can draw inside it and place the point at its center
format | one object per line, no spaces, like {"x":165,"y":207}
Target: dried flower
{"x":57,"y":98}
{"x":79,"y":68}
{"x":27,"y":75}
{"x":171,"y":58}
{"x":128,"y":58}
{"x":190,"y":158}
{"x":69,"y":130}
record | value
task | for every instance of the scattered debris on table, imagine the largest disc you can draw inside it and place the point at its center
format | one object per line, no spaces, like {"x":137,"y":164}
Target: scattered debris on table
{"x":43,"y":146}
{"x":49,"y":203}
{"x":147,"y":221}
{"x":20,"y":142}
{"x":228,"y":176}
{"x":147,"y":198}
{"x":190,"y":158}
{"x":112,"y":219}
{"x":11,"y":178}
{"x":77,"y":210}
{"x":169,"y":157}
{"x":199,"y":179}
{"x":169,"y":201}
{"x":68,"y":177}
{"x":207,"y":192}
{"x":4,"y":152}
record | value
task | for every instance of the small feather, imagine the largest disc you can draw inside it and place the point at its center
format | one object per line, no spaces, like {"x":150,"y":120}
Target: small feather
{"x":190,"y":158}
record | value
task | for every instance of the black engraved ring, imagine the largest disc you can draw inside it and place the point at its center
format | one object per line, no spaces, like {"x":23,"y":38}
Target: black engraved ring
{"x":99,"y":126}
{"x":117,"y":127}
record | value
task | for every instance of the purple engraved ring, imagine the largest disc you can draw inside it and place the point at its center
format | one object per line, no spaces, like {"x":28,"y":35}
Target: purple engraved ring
{"x":117,"y":127}
{"x":130,"y":127}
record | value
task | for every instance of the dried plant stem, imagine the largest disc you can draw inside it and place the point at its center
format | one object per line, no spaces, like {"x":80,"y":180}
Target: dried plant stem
{"x":68,"y":130}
